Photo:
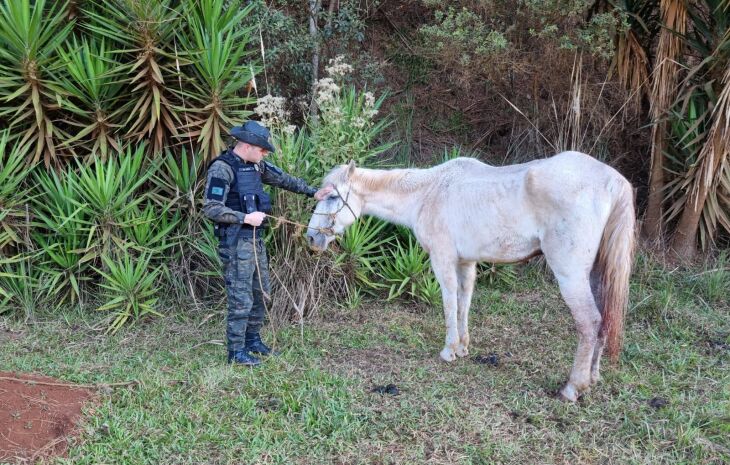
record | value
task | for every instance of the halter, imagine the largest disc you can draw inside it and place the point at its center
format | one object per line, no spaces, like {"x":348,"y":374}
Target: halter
{"x":329,"y":230}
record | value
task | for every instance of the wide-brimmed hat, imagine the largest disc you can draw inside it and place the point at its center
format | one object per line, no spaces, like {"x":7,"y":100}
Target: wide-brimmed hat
{"x":253,"y":133}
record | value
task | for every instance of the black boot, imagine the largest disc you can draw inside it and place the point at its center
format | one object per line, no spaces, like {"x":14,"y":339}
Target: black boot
{"x":255,"y":345}
{"x":243,"y":357}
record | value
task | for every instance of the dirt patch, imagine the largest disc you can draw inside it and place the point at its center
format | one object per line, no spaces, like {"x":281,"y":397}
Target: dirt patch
{"x":38,"y":415}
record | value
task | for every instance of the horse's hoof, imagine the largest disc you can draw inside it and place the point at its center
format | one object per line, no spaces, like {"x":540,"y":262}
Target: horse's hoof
{"x":447,"y":355}
{"x":462,"y":351}
{"x":569,"y":394}
{"x":595,"y":379}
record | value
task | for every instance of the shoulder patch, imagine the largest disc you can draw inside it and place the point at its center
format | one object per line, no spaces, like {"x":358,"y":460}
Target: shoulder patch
{"x":217,"y":188}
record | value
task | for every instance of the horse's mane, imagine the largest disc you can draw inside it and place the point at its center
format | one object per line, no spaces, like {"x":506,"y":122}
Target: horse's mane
{"x":405,"y":180}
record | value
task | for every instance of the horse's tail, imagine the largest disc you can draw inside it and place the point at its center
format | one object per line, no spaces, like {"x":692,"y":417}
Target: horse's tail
{"x":613,"y":267}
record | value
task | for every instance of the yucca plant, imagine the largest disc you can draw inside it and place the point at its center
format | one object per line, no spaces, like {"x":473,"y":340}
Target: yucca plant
{"x":295,"y":153}
{"x":63,"y":266}
{"x":688,"y":125}
{"x":19,"y":285}
{"x":177,"y":190}
{"x":663,"y":93}
{"x":429,"y":290}
{"x":108,"y":191}
{"x":498,"y":273}
{"x":216,"y":44}
{"x":144,"y":31}
{"x":130,"y":288}
{"x":353,"y":298}
{"x":92,"y":87}
{"x":197,"y":269}
{"x":30,"y":35}
{"x":59,"y":234}
{"x":151,"y":230}
{"x":404,"y":269}
{"x":14,"y":215}
{"x":178,"y":183}
{"x":362,"y":251}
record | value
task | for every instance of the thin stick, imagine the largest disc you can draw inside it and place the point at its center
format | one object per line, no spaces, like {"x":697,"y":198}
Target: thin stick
{"x":84,"y":386}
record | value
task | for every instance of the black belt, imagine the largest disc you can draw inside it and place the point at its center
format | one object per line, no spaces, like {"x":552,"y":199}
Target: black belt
{"x":226,"y":232}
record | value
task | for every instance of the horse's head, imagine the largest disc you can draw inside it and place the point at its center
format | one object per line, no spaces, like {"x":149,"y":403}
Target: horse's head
{"x":338,"y":211}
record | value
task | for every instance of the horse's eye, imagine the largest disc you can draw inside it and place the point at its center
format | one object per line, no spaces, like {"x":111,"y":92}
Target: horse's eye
{"x":333,"y":197}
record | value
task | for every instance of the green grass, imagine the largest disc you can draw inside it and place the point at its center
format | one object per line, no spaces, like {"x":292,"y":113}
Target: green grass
{"x":314,"y":404}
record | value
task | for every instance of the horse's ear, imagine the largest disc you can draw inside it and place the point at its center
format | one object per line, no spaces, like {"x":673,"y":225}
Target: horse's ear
{"x":350,"y":168}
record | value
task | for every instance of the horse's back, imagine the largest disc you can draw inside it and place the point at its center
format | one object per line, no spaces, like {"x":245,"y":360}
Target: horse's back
{"x":504,"y":213}
{"x":570,"y":177}
{"x":572,"y":196}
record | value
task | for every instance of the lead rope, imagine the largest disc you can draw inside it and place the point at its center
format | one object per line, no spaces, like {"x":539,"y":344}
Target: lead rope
{"x":280,"y":219}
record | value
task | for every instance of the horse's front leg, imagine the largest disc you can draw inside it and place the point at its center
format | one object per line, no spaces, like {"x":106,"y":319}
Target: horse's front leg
{"x":444,"y":267}
{"x":466,"y":273}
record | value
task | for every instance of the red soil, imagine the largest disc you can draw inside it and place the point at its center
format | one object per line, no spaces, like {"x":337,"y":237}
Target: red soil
{"x":38,"y":415}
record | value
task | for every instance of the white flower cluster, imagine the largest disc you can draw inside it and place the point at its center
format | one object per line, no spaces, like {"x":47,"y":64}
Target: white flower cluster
{"x":272,"y":112}
{"x":289,"y":129}
{"x":338,"y":68}
{"x":327,"y":92}
{"x":334,"y":110}
{"x":369,"y":110}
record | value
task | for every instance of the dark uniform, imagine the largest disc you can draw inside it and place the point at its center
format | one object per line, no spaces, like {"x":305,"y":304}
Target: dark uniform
{"x":234,"y":188}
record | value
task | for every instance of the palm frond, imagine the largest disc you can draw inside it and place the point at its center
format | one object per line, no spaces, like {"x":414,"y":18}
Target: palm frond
{"x":217,"y":46}
{"x":91,"y":82}
{"x":13,"y":193}
{"x":144,"y":30}
{"x":30,"y":34}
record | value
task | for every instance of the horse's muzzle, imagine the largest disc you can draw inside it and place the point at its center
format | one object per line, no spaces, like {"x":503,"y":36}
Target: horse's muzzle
{"x":317,"y":241}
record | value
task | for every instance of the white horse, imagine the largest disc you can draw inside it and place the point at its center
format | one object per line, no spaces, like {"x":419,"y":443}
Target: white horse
{"x":575,"y":210}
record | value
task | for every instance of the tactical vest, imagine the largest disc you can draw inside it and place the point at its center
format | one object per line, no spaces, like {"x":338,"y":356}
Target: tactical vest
{"x":246,"y":193}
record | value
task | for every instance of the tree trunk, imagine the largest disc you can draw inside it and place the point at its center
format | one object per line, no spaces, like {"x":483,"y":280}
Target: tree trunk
{"x":663,"y":93}
{"x":706,"y":177}
{"x":653,"y":230}
{"x":684,"y":244}
{"x":314,"y":7}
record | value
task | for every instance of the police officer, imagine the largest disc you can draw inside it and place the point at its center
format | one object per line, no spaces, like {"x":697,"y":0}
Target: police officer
{"x":236,"y":201}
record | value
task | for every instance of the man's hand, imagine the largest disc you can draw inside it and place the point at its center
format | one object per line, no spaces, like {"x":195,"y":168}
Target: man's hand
{"x":254,"y":218}
{"x":323,"y":192}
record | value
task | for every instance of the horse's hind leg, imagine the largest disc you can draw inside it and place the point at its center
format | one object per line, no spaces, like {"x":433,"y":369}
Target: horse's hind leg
{"x":570,"y":249}
{"x":466,"y":275}
{"x":444,"y":267}
{"x":576,"y":291}
{"x":601,"y":341}
{"x":596,"y":362}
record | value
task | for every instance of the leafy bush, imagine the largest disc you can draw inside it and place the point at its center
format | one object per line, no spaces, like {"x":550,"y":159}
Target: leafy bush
{"x":130,"y":288}
{"x":13,"y":193}
{"x":20,"y":285}
{"x":465,"y":34}
{"x":362,"y":251}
